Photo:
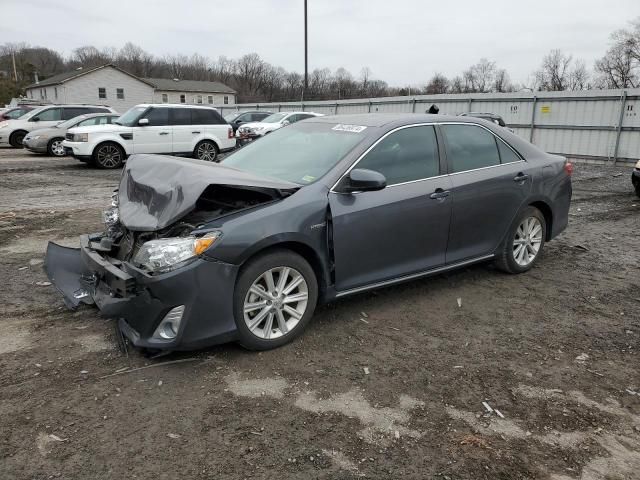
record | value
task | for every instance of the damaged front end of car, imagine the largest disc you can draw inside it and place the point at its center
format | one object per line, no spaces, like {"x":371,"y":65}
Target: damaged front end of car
{"x":152,"y":268}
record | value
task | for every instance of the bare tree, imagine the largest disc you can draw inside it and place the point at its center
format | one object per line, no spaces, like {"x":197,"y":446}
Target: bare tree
{"x":438,"y":84}
{"x":559,"y":72}
{"x":620,"y":67}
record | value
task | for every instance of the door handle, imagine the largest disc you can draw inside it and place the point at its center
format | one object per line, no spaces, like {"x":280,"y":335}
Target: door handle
{"x":439,"y":194}
{"x":163,"y":133}
{"x":195,"y":133}
{"x":521,"y":177}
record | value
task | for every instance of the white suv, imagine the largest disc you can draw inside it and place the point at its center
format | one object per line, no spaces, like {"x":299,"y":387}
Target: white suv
{"x":14,"y":131}
{"x":253,"y":130}
{"x":192,"y":130}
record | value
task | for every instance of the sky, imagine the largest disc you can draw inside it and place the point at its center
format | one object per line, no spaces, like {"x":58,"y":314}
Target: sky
{"x":403,"y":42}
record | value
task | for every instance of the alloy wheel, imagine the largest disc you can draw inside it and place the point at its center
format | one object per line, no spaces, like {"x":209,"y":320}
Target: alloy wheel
{"x":109,"y":156}
{"x":57,"y":149}
{"x":206,"y":151}
{"x":527,"y":241}
{"x":275,"y":303}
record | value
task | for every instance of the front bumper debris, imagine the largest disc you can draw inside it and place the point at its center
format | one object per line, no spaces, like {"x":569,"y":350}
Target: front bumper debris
{"x":140,"y":301}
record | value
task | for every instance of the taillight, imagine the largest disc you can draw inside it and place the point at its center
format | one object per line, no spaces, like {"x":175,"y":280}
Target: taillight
{"x":230,"y":133}
{"x":568,"y":167}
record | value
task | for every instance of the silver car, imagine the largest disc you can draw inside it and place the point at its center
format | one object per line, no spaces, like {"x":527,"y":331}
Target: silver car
{"x":49,"y":140}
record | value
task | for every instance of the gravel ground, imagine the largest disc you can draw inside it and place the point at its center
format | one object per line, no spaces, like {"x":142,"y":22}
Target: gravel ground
{"x":388,"y":384}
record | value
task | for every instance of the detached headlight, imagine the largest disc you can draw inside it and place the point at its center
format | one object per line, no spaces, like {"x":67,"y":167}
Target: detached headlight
{"x":164,"y":254}
{"x":80,"y":137}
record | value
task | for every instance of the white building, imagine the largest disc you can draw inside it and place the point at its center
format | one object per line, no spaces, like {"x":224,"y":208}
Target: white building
{"x":112,"y":86}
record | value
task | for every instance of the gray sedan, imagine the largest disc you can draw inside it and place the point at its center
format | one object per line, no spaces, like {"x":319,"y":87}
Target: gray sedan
{"x":196,"y":253}
{"x":49,"y":140}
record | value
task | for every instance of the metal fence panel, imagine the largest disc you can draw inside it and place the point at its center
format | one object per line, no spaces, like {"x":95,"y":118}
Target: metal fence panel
{"x":600,"y":124}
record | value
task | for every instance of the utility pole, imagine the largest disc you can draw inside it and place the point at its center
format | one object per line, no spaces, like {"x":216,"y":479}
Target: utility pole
{"x":306,"y":55}
{"x":15,"y":72}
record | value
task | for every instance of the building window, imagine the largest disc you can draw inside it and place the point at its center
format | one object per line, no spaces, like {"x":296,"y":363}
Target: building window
{"x":199,"y":98}
{"x":165,"y":98}
{"x":226,"y":100}
{"x":183,"y":98}
{"x":45,"y":93}
{"x":120,"y":93}
{"x":210,"y":99}
{"x":102,"y":92}
{"x":55,"y":92}
{"x":30,"y":93}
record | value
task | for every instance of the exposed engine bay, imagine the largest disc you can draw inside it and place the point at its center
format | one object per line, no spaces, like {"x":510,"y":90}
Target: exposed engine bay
{"x":216,"y":201}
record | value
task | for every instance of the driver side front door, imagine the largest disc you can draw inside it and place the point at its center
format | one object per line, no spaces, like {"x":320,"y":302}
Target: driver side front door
{"x":401,"y":230}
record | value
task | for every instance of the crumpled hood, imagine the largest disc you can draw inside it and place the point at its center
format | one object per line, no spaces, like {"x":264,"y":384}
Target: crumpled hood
{"x":157,"y":190}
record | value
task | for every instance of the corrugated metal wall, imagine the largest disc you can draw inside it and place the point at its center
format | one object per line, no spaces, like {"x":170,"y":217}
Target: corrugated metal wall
{"x":594,"y":124}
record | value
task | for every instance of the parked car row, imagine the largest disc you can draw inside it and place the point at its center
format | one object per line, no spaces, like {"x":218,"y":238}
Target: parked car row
{"x":184,"y":130}
{"x":13,"y":131}
{"x":254,"y":130}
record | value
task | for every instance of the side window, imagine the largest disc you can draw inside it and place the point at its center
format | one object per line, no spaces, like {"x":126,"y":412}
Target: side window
{"x":201,"y":116}
{"x":246,"y":117}
{"x":72,"y":112}
{"x":257,"y":117}
{"x":292,"y":118}
{"x":157,"y":116}
{"x":303,"y":116}
{"x":405,"y":155}
{"x":180,"y":116}
{"x":469,"y":147}
{"x":506,"y":154}
{"x":89,"y":121}
{"x":50,"y":115}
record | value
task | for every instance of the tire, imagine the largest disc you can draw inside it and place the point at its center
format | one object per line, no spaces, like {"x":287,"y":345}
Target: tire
{"x":254,"y":332}
{"x":55,"y":148}
{"x":510,"y":256}
{"x":16,"y":138}
{"x":108,"y":155}
{"x":206,"y":150}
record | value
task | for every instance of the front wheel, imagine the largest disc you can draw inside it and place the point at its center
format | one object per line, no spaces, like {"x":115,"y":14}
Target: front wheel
{"x":55,"y":148}
{"x":524,"y":243}
{"x":108,"y":155}
{"x":206,"y":150}
{"x":274,"y":299}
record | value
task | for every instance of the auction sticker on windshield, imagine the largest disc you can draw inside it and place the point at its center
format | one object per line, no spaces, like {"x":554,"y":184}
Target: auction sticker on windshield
{"x":349,"y":128}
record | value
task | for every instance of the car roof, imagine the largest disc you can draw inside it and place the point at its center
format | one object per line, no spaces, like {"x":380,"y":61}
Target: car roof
{"x":175,"y":105}
{"x":395,"y":119}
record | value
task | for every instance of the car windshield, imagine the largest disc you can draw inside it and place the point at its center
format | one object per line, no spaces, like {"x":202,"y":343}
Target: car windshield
{"x":300,"y":153}
{"x":230,"y":117}
{"x":275,"y":118}
{"x":71,"y":122}
{"x":17,"y":113}
{"x":129,"y":117}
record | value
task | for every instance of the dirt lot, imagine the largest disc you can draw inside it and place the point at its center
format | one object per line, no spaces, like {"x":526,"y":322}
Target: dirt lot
{"x":388,"y":384}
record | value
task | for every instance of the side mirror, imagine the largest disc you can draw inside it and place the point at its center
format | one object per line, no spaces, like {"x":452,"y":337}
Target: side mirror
{"x":363,"y":180}
{"x":143,"y":121}
{"x":285,"y":123}
{"x":35,"y":119}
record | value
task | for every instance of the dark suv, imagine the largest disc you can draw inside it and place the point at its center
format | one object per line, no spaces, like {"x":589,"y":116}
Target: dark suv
{"x":236,"y":119}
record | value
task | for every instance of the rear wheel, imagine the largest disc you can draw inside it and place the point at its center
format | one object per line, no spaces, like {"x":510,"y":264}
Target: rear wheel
{"x":16,"y":138}
{"x":206,"y":150}
{"x":55,"y":148}
{"x":524,"y":243}
{"x":108,"y":155}
{"x":274,"y":299}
